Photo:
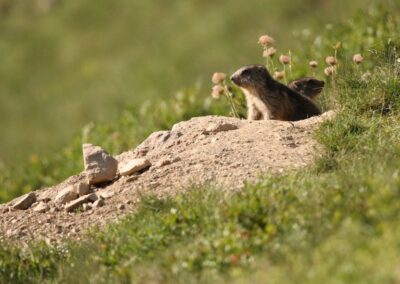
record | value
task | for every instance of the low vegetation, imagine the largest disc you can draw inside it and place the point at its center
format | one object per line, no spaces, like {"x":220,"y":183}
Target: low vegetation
{"x":334,"y":222}
{"x":68,"y":63}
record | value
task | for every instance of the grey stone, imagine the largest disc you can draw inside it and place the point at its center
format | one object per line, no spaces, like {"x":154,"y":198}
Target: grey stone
{"x":41,"y":207}
{"x":25,"y":201}
{"x":133,"y":166}
{"x":98,"y":203}
{"x":66,"y":195}
{"x":86,"y":206}
{"x":107,"y":194}
{"x":81,"y":200}
{"x":99,"y":165}
{"x":82,"y":188}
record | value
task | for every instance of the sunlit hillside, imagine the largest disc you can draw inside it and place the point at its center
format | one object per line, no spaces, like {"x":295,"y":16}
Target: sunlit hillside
{"x":66,"y":63}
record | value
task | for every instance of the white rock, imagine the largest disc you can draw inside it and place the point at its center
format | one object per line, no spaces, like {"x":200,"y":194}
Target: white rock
{"x":99,"y":165}
{"x":133,"y":166}
{"x":86,"y":207}
{"x":66,"y":195}
{"x":41,"y":207}
{"x":81,"y":200}
{"x":107,"y":194}
{"x":82,"y":188}
{"x":220,"y":127}
{"x":25,"y":201}
{"x":98,"y":203}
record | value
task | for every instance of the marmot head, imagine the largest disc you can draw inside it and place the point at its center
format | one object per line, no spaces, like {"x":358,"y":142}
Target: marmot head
{"x":252,"y":77}
{"x":309,"y":87}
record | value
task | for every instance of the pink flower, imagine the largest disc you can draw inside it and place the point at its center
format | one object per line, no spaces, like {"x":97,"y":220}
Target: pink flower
{"x":269,"y":52}
{"x":357,"y":58}
{"x":329,"y":71}
{"x":217,"y":91}
{"x":330,"y":60}
{"x":265,"y":40}
{"x":284,"y":59}
{"x":218,"y":77}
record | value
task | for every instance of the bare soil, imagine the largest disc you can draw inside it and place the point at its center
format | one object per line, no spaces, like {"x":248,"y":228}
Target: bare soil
{"x":220,"y":151}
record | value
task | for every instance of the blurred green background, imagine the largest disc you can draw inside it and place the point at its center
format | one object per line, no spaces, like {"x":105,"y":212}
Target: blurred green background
{"x":66,"y":63}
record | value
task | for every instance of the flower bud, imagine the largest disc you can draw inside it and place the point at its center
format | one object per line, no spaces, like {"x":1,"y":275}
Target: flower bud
{"x":313,"y":64}
{"x":269,"y":52}
{"x":357,"y":58}
{"x":284,"y":59}
{"x":218,"y":77}
{"x":329,"y":71}
{"x":265,"y":40}
{"x":217,"y":91}
{"x":330,"y":60}
{"x":279,"y":75}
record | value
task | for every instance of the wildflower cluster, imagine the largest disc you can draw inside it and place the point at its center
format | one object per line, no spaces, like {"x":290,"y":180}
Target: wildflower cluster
{"x":332,"y":62}
{"x":286,"y":60}
{"x":269,"y":52}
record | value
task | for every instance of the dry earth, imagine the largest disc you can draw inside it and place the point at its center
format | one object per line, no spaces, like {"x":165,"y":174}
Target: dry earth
{"x":222,"y":151}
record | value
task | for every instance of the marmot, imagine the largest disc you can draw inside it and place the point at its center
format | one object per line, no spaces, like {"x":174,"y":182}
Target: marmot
{"x":269,"y":99}
{"x":307,"y":86}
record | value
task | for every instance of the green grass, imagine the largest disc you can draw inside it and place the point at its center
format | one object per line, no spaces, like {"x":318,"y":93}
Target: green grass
{"x":46,"y":95}
{"x":83,"y":61}
{"x":333,"y":222}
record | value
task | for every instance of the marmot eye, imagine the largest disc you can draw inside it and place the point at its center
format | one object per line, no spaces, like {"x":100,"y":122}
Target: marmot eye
{"x":246,"y":73}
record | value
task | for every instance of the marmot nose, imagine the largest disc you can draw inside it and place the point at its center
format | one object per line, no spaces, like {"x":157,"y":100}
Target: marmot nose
{"x":235,"y":78}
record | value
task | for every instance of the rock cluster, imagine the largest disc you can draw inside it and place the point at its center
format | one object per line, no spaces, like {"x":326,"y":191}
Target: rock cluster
{"x":100,"y":167}
{"x":218,"y":151}
{"x":71,"y":206}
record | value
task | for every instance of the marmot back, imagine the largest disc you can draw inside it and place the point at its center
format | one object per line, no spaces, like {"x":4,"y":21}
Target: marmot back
{"x":269,"y":99}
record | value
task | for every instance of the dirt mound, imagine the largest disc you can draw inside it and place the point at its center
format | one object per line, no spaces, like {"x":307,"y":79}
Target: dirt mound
{"x":218,"y":150}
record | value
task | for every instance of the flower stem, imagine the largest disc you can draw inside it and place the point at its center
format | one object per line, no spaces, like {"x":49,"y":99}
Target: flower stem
{"x":284,"y":72}
{"x":229,"y":96}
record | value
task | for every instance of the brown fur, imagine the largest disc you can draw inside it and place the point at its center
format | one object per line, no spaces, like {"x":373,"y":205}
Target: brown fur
{"x":269,"y":99}
{"x":307,"y":86}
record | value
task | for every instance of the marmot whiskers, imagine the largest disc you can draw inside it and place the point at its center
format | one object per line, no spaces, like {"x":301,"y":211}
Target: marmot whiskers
{"x":269,"y":99}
